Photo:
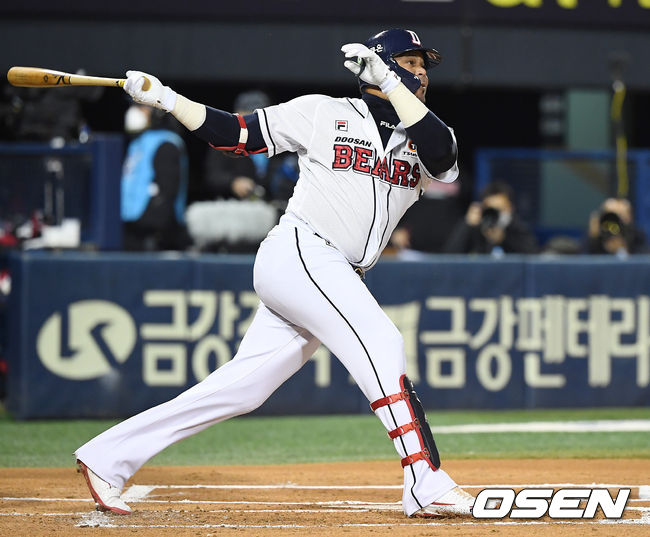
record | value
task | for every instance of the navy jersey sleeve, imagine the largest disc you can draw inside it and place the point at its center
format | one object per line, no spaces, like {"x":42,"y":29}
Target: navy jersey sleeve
{"x":437,"y":148}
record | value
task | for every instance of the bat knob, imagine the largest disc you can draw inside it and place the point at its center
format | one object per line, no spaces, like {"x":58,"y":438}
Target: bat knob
{"x":146,"y":85}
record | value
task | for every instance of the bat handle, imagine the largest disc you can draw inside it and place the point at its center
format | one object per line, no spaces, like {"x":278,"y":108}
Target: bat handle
{"x":145,"y":86}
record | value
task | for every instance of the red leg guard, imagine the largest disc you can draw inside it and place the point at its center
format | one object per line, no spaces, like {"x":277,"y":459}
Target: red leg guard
{"x":419,"y":424}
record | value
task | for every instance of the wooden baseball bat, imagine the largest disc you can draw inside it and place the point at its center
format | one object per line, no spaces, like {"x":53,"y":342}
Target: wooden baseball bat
{"x":37,"y":77}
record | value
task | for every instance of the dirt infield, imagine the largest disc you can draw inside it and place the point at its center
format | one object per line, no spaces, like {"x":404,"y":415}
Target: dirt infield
{"x":348,"y":499}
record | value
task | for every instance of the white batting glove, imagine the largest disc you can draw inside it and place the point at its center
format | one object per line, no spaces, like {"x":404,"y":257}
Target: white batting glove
{"x":369,"y":67}
{"x":156,"y":95}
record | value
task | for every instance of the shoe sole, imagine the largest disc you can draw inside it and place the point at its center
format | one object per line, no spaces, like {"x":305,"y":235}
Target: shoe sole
{"x":442,"y":513}
{"x":101,"y":506}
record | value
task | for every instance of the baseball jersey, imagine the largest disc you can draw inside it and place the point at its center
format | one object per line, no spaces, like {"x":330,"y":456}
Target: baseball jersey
{"x":351,"y":190}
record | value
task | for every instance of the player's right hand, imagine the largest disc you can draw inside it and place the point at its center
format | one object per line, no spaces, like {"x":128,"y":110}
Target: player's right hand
{"x":369,"y":67}
{"x":156,"y":95}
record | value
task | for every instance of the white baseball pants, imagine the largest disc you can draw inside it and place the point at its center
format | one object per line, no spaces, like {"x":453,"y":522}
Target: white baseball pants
{"x":309,"y":294}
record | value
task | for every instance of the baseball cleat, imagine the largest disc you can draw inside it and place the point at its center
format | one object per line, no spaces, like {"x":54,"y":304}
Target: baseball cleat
{"x":455,"y":503}
{"x":105,"y":495}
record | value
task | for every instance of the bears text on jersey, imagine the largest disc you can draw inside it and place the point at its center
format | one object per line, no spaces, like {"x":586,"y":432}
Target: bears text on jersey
{"x":364,"y":160}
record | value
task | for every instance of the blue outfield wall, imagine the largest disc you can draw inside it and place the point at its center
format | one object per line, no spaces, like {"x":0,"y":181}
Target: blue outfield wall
{"x":108,"y":335}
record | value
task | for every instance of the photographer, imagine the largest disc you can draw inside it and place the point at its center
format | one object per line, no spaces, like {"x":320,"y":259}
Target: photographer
{"x":492,"y":226}
{"x":612,"y":230}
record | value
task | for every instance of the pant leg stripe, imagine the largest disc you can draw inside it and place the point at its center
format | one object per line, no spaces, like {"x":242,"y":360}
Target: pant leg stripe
{"x":364,"y":349}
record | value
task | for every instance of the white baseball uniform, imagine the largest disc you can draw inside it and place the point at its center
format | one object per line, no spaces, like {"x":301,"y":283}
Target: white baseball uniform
{"x":350,"y":195}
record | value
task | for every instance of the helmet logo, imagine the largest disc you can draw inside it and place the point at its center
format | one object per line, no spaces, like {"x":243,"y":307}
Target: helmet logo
{"x":378,"y":48}
{"x":414,"y":38}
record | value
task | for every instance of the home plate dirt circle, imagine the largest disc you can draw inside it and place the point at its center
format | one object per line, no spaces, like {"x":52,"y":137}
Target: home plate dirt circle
{"x":329,"y":499}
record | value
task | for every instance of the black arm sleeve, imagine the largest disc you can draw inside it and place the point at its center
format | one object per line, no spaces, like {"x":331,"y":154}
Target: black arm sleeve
{"x":221,"y":130}
{"x":436,"y":148}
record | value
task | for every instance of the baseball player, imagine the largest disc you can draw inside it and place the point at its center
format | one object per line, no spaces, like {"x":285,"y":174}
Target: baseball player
{"x":362,"y":163}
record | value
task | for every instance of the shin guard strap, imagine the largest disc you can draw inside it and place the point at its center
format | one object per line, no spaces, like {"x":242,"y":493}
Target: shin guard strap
{"x":404,"y":429}
{"x":389,"y":399}
{"x":419,"y":456}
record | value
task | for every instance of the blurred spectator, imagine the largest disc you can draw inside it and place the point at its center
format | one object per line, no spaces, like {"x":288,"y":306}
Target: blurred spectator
{"x":281,"y":178}
{"x":249,"y":192}
{"x":425,"y":227}
{"x":5,"y":289}
{"x":612,"y":230}
{"x":230,"y":176}
{"x":52,"y":115}
{"x":154,"y":184}
{"x":3,"y":379}
{"x":491,"y":226}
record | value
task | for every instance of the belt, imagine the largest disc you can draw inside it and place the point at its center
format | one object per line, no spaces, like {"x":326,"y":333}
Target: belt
{"x":360,"y":272}
{"x":326,"y":241}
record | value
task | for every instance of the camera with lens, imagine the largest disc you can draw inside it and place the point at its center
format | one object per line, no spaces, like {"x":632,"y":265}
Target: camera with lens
{"x":490,"y":218}
{"x":611,"y":225}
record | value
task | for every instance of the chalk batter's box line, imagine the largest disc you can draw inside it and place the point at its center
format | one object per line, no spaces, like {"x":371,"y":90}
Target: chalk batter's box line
{"x":365,"y":509}
{"x":628,"y":522}
{"x":387,"y":487}
{"x":98,"y":519}
{"x":140,"y":492}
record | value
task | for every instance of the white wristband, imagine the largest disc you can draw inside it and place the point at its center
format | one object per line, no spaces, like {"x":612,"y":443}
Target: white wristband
{"x":409,"y":108}
{"x":168,"y":99}
{"x":189,"y":113}
{"x":390,"y":82}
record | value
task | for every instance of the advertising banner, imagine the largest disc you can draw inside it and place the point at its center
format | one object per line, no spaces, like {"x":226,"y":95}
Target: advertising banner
{"x":108,"y":335}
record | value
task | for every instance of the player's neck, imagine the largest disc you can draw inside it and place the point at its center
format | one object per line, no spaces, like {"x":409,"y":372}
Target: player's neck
{"x":380,"y":107}
{"x":383,"y":113}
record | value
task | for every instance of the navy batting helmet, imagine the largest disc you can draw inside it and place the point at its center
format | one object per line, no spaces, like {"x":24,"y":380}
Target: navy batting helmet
{"x":391,"y":43}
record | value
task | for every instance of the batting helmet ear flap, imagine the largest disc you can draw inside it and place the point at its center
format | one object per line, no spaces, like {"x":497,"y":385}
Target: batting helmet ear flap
{"x":411,"y":81}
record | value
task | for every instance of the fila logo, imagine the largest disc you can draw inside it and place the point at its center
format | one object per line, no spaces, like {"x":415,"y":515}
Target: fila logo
{"x":341,"y":125}
{"x":535,"y":503}
{"x":414,"y":38}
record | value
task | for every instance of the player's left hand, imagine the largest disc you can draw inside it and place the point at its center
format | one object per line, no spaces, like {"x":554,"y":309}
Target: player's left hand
{"x":369,"y":67}
{"x":157,"y":95}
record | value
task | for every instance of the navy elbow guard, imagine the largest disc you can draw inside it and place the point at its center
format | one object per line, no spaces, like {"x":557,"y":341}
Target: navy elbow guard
{"x":240,"y":135}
